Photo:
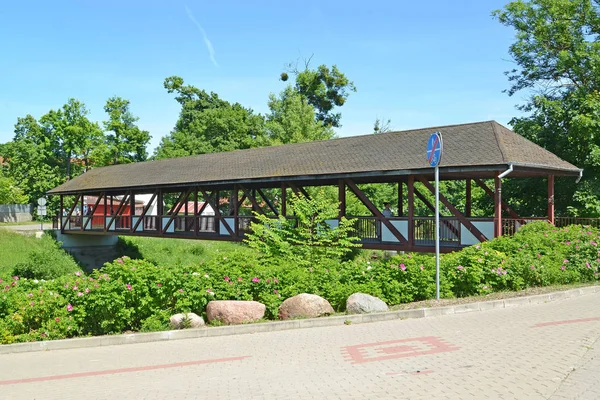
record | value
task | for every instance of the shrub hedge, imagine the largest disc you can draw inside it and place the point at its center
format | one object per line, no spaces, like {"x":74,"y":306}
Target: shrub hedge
{"x":134,"y":295}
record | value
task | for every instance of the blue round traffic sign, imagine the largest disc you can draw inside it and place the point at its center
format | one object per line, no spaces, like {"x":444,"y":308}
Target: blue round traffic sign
{"x":434,"y":149}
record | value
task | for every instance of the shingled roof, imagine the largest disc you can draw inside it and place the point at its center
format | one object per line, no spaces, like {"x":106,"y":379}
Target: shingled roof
{"x":480,"y":146}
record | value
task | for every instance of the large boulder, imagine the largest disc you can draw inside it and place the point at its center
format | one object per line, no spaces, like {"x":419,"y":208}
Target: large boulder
{"x":360,"y":303}
{"x":189,"y":320}
{"x":232,"y":312}
{"x":304,"y":306}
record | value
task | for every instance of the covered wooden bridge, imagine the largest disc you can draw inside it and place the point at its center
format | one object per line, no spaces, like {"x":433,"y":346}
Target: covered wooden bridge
{"x":233,"y":184}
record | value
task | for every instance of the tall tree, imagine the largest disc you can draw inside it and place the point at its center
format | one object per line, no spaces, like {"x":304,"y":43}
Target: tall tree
{"x":292,"y":120}
{"x":208,"y":124}
{"x":127,"y":143}
{"x":557,"y":53}
{"x":33,"y":163}
{"x":73,"y":135}
{"x":324,"y":88}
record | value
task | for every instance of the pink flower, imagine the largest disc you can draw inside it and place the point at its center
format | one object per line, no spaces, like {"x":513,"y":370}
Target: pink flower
{"x":480,"y":259}
{"x":57,"y":319}
{"x":32,"y":303}
{"x":230,"y":283}
{"x":96,"y":286}
{"x":478,"y":247}
{"x":128,"y":286}
{"x":275,"y":291}
{"x":1,"y":280}
{"x":268,"y":281}
{"x":255,"y":280}
{"x":69,"y":307}
{"x":460,"y":268}
{"x":275,"y":280}
{"x":79,"y":294}
{"x":226,"y":278}
{"x":532,"y":268}
{"x":159,"y":284}
{"x":119,"y":261}
{"x":29,"y":294}
{"x":239,"y":279}
{"x":77,"y":273}
{"x":587,"y":264}
{"x":403,"y":267}
{"x":87,"y":290}
{"x":16,"y":278}
{"x":422,"y":267}
{"x":180,"y":290}
{"x":563,"y":268}
{"x":208,"y":290}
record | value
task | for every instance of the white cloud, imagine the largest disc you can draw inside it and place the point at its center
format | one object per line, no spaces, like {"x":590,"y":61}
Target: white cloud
{"x":207,"y":42}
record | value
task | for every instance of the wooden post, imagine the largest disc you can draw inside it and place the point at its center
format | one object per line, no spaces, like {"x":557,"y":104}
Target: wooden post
{"x":60,"y":214}
{"x":105,"y":209}
{"x":234,"y":199}
{"x":131,"y":212}
{"x":411,"y":210}
{"x":342,"y":198}
{"x":551,"y":199}
{"x":468,"y":199}
{"x":196,"y":216}
{"x":159,"y":211}
{"x":497,"y":207}
{"x":283,"y":200}
{"x":400,"y":199}
{"x":81,"y":211}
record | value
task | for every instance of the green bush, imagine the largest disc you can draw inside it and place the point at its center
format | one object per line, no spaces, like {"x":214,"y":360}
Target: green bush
{"x":138,"y":295}
{"x":48,"y":262}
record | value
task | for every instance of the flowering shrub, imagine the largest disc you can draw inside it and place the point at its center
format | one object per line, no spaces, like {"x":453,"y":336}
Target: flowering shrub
{"x":134,"y":295}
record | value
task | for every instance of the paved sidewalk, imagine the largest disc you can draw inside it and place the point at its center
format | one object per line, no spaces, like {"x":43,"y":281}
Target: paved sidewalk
{"x":545,"y":351}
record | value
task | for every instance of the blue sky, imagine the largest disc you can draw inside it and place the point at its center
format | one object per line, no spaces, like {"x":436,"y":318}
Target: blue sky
{"x":419,"y":64}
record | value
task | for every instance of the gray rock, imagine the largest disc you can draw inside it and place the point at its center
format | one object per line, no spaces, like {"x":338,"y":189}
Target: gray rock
{"x":360,"y":303}
{"x":304,"y":306}
{"x":189,"y":320}
{"x":233,"y":312}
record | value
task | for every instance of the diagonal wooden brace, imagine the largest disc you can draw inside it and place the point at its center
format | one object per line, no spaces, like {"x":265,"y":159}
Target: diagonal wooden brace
{"x":446,"y":223}
{"x":218,"y":214}
{"x":464,"y":220}
{"x":365,"y":200}
{"x":504,"y":206}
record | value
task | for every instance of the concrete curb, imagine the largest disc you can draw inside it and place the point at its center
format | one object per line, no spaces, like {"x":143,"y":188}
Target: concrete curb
{"x":292,"y":324}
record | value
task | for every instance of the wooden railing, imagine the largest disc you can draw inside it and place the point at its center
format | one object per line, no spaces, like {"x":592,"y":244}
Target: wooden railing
{"x":369,"y":229}
{"x":424,"y":230}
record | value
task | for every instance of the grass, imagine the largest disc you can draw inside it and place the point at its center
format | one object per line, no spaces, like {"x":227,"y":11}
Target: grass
{"x":22,"y":223}
{"x":17,"y":248}
{"x":165,"y":251}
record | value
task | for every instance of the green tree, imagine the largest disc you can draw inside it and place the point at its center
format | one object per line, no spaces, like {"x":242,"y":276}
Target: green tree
{"x":208,"y":124}
{"x":324,"y":88}
{"x":557,"y":53}
{"x":72,"y":136}
{"x":127,"y":143}
{"x":292,"y":120}
{"x":10,"y":193}
{"x":306,"y":240}
{"x":33,"y":160}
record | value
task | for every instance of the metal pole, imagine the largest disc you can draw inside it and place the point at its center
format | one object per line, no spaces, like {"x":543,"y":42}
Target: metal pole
{"x":437,"y":232}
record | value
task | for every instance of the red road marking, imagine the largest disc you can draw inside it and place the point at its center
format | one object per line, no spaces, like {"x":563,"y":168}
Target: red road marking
{"x":570,"y":321}
{"x":363,"y":353}
{"x":120,"y":371}
{"x":424,"y":372}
